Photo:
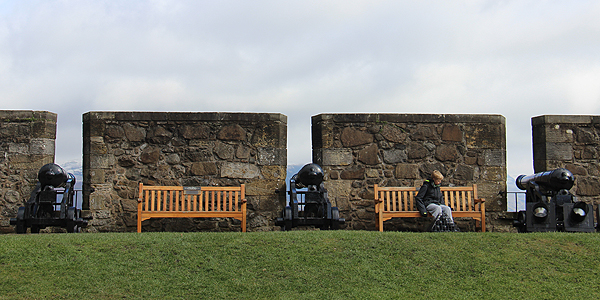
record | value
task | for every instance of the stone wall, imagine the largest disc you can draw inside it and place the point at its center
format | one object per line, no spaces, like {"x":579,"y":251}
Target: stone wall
{"x":26,"y":144}
{"x":360,"y":150}
{"x":122,"y":149}
{"x":571,"y":142}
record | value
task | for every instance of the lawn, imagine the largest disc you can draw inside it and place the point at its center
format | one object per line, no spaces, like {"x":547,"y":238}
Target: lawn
{"x":300,"y":265}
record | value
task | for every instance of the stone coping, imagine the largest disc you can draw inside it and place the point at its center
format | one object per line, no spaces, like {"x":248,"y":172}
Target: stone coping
{"x":565,"y":119}
{"x":412,"y":118}
{"x":184,"y":116}
{"x":27,"y":115}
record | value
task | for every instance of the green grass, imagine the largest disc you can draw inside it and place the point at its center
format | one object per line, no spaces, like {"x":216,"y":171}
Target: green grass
{"x":300,"y":265}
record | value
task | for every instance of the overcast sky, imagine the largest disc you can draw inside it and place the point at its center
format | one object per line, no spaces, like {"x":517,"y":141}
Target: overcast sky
{"x":519,"y":59}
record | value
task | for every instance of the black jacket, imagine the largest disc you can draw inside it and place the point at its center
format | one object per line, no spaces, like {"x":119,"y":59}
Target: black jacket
{"x":428,"y":193}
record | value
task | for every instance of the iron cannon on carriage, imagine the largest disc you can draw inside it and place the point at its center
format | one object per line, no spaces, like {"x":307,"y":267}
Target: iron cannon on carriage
{"x":550,"y":206}
{"x":51,"y":203}
{"x":308,"y":202}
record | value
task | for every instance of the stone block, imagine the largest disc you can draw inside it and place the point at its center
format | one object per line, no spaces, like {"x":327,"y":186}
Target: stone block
{"x":393,"y":133}
{"x":407,"y":171}
{"x":355,"y":172}
{"x":494,"y":157}
{"x":394,"y":156}
{"x":134,"y":133}
{"x":559,"y":151}
{"x":232,"y":133}
{"x":369,"y":155}
{"x":333,"y":157}
{"x":351,"y":137}
{"x":239,"y":170}
{"x":203,"y":168}
{"x":446,"y":153}
{"x":272,"y":156}
{"x":452,"y":133}
{"x":273,"y":172}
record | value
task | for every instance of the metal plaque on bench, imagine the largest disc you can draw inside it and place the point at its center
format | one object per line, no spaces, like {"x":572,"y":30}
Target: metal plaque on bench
{"x":191,"y":190}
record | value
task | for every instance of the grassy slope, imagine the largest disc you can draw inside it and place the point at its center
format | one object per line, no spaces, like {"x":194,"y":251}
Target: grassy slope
{"x":300,"y":265}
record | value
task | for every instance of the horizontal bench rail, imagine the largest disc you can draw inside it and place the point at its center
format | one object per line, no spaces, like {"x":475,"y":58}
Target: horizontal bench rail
{"x":400,"y":202}
{"x":191,"y":202}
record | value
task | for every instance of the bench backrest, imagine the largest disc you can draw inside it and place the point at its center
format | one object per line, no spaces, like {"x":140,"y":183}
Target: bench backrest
{"x":179,"y":198}
{"x":459,"y":198}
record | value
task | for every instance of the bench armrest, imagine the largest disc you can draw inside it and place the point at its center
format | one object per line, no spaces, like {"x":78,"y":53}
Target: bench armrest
{"x":479,"y":200}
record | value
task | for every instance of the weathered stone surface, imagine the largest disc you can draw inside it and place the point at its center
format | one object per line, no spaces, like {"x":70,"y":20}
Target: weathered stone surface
{"x":224,"y":151}
{"x":467,"y":173}
{"x":271,"y":156}
{"x":394,"y":156}
{"x":369,"y":155}
{"x":452,"y":133}
{"x":195,"y":132}
{"x":133,"y":133}
{"x":446,"y":153}
{"x":150,"y":155}
{"x":407,"y":171}
{"x":417,"y":151}
{"x":423,"y":133}
{"x":239,"y":170}
{"x":203,"y":168}
{"x":351,"y":137}
{"x":232,"y":133}
{"x":393,"y":133}
{"x":335,"y":157}
{"x":355,"y":172}
{"x":588,"y":186}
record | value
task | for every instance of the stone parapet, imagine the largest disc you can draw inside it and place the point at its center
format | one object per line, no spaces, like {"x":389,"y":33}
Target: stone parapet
{"x":26,"y":144}
{"x":571,"y":142}
{"x":360,"y":150}
{"x":122,"y":149}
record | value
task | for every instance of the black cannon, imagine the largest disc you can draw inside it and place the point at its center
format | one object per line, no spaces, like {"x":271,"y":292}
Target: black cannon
{"x":51,"y":203}
{"x":309,"y":206}
{"x":550,"y":206}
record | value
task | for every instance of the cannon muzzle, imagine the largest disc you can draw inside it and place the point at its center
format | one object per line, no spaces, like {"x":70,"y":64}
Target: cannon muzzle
{"x":310,"y":174}
{"x":52,"y":175}
{"x":555,"y":180}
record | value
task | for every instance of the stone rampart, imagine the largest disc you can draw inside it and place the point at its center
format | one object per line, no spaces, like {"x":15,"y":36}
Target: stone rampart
{"x":571,"y":142}
{"x":26,"y":144}
{"x":360,"y":150}
{"x":122,"y":149}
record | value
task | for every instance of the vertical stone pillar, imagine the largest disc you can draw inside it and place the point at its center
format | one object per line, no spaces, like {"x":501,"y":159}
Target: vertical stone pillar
{"x":571,"y":142}
{"x":26,"y":144}
{"x":122,"y":149}
{"x":360,"y":150}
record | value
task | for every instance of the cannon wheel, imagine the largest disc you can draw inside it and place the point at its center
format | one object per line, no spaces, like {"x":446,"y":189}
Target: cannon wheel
{"x":71,"y":218}
{"x":20,"y":227}
{"x":335,"y":218}
{"x":287,"y":217}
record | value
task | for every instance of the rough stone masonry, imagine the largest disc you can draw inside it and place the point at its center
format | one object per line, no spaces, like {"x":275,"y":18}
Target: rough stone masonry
{"x":26,"y":144}
{"x":122,"y":149}
{"x":360,"y":150}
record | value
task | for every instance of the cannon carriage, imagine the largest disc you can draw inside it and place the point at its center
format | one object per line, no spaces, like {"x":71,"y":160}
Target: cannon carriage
{"x":309,"y":203}
{"x":51,"y":203}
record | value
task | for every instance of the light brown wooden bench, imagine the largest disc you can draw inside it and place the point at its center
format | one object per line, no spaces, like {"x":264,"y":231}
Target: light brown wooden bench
{"x":399,"y":202}
{"x":191,"y":202}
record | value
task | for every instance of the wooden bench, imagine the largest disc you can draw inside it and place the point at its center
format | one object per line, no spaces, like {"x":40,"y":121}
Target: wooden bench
{"x":191,"y":202}
{"x":399,"y":202}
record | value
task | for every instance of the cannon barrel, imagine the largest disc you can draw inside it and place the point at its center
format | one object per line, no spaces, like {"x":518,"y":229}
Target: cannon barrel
{"x":310,"y":174}
{"x":555,"y":180}
{"x":53,"y":175}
